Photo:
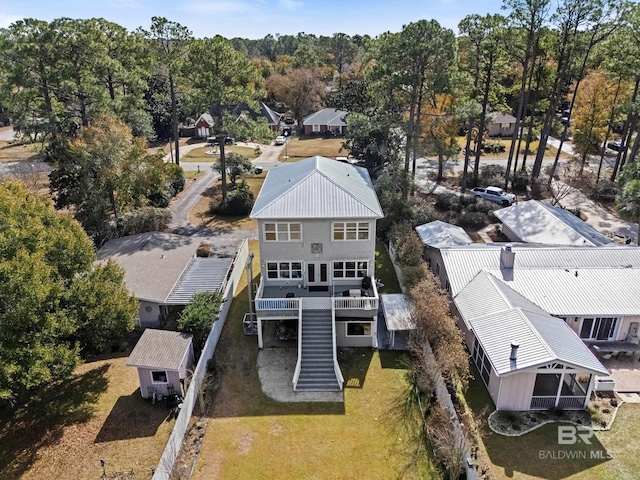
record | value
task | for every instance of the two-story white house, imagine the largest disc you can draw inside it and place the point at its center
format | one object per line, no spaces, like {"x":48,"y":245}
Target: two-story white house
{"x":317,"y":231}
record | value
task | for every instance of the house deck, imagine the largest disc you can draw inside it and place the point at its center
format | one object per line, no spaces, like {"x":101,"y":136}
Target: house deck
{"x":625,"y":370}
{"x":303,"y":292}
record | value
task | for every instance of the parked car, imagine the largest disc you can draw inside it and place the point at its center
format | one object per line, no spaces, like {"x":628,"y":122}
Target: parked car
{"x":216,"y":140}
{"x":617,"y":146}
{"x":289,"y":121}
{"x":286,"y":131}
{"x":494,"y":194}
{"x":281,"y":140}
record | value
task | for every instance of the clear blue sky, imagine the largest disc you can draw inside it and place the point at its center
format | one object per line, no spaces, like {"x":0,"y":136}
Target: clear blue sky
{"x":256,"y":18}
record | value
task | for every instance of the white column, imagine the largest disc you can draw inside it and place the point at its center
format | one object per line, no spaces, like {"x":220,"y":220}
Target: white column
{"x":559,"y":389}
{"x":592,"y":380}
{"x":260,"y":333}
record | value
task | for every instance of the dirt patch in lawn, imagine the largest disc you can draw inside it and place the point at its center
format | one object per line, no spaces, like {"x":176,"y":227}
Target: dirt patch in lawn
{"x":9,"y":152}
{"x":212,"y":154}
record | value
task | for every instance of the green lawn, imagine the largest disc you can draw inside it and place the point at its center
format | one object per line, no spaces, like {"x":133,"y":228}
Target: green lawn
{"x":519,"y":457}
{"x":249,"y":435}
{"x":299,"y":148}
{"x":66,"y":429}
{"x":198,"y":154}
{"x":385,"y":271}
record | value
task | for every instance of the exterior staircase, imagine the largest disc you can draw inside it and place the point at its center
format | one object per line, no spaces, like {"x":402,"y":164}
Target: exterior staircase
{"x":317,"y":372}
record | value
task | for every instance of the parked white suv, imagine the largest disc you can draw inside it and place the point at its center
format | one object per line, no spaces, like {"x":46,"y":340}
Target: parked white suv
{"x":494,"y":194}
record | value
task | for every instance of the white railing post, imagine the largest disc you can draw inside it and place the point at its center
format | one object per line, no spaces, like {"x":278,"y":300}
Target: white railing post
{"x":296,"y":373}
{"x":336,"y":367}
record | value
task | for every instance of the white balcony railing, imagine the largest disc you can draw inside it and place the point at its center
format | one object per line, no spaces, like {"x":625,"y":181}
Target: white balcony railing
{"x":564,"y":402}
{"x":277,"y":304}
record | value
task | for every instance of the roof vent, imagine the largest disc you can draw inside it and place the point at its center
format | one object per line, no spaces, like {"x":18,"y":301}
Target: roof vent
{"x":514,"y":350}
{"x":507,"y":256}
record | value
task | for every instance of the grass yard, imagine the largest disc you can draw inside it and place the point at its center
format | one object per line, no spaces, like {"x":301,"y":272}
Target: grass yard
{"x":385,"y":271}
{"x":519,"y":457}
{"x":68,"y":428}
{"x":193,"y":175}
{"x":533,"y":148}
{"x":299,"y":148}
{"x":200,"y":214}
{"x":250,"y":435}
{"x":198,"y":154}
{"x":16,"y":153}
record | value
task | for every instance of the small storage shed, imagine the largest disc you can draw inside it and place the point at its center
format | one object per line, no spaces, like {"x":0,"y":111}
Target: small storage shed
{"x":396,"y":309}
{"x":162,"y":358}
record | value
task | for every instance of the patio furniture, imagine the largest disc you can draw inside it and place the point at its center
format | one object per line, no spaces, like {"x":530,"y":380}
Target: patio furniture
{"x":290,"y":295}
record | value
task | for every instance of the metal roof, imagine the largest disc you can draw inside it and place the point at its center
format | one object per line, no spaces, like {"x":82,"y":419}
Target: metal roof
{"x":439,"y":234}
{"x":153,"y":262}
{"x":541,"y":338}
{"x":317,"y":187}
{"x":326,"y":116}
{"x":577,"y":292}
{"x":397,"y":311}
{"x":202,"y":275}
{"x":162,"y":349}
{"x":497,"y":117}
{"x":464,"y":263}
{"x":537,"y":222}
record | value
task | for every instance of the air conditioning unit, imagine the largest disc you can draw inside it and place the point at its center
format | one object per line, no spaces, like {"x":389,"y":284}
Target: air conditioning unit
{"x":633,"y":333}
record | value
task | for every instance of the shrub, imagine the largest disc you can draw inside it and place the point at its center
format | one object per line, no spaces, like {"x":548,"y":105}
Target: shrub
{"x":539,"y":188}
{"x":483,"y":206}
{"x":492,"y":175}
{"x":198,"y":316}
{"x":239,"y":201}
{"x":606,"y":410}
{"x":204,"y":250}
{"x":474,"y":219}
{"x":613,"y":402}
{"x":412,"y":275}
{"x":447,"y":201}
{"x":176,"y":177}
{"x":605,"y":191}
{"x":145,"y":219}
{"x":161,"y":197}
{"x":520,"y":181}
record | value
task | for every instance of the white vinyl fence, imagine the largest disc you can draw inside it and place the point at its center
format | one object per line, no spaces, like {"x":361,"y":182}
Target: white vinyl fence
{"x":165,"y":466}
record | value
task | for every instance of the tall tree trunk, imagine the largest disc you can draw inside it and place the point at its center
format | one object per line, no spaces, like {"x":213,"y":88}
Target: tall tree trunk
{"x":112,"y":91}
{"x":174,"y":118}
{"x":606,"y":137}
{"x":467,"y":157}
{"x":625,"y":131}
{"x":526,"y":102}
{"x":483,"y":119}
{"x":408,"y":144}
{"x":534,"y":108}
{"x":223,"y":163}
{"x":416,"y":141}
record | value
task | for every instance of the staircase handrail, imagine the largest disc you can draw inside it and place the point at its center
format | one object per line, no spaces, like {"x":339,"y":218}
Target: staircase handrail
{"x":296,"y":373}
{"x":336,"y":367}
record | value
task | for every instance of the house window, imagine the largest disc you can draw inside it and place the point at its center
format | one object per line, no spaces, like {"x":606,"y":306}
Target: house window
{"x":284,"y":270}
{"x":282,"y":232}
{"x":358,"y":329}
{"x":599,"y":328}
{"x":315,"y":128}
{"x":482,"y":361}
{"x":437,"y":268}
{"x":158,"y":376}
{"x":447,"y":286}
{"x":358,"y":269}
{"x":351,"y":231}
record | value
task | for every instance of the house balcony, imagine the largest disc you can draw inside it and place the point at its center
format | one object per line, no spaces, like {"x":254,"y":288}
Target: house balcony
{"x":284,"y":301}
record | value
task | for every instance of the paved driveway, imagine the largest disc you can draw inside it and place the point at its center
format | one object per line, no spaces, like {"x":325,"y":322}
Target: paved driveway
{"x":7,"y":135}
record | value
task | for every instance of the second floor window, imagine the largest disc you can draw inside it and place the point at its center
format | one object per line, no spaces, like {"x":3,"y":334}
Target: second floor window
{"x":351,"y":231}
{"x":282,"y":232}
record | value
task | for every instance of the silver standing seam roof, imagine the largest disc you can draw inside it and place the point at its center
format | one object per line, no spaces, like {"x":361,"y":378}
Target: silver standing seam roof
{"x":537,"y":222}
{"x":162,"y":349}
{"x":202,"y":275}
{"x":317,"y":187}
{"x":498,"y":316}
{"x":439,"y":234}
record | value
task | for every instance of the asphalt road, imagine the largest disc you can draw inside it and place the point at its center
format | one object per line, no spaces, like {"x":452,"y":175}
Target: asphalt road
{"x":7,"y":135}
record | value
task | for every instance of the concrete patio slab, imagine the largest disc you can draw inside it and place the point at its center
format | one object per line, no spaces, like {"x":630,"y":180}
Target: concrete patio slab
{"x":625,"y":370}
{"x":275,"y":370}
{"x":629,"y":397}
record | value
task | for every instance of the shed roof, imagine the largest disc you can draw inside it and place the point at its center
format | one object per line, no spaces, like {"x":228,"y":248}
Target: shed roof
{"x":537,"y":222}
{"x":397,"y":311}
{"x":439,"y":234}
{"x":326,"y":116}
{"x":317,"y":187}
{"x":160,"y":349}
{"x":153,"y":262}
{"x":202,"y":275}
{"x":207,"y":118}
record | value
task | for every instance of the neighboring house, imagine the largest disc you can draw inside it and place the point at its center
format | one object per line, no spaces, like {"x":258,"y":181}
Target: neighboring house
{"x":536,"y":222}
{"x":326,"y":121}
{"x":162,"y":271}
{"x":436,"y":235}
{"x":241,"y":111}
{"x":317,"y":231}
{"x":204,"y":126}
{"x":501,"y":124}
{"x":163,"y":359}
{"x":543,"y":298}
